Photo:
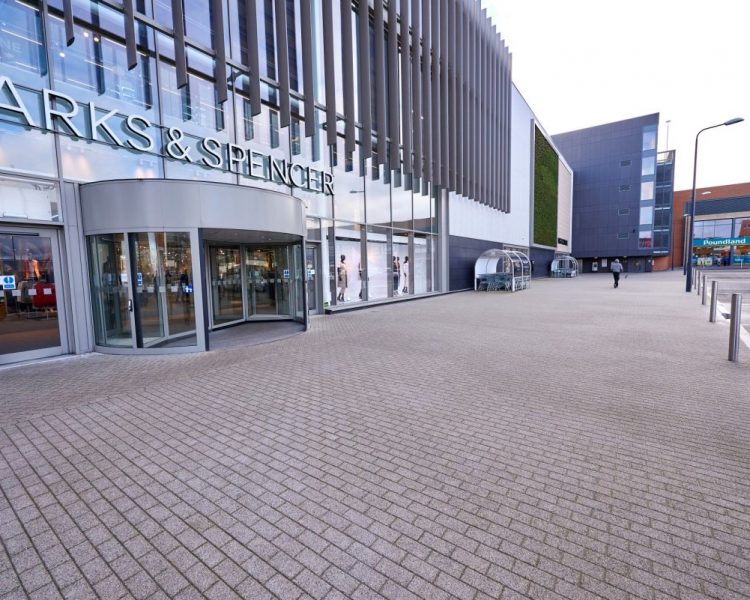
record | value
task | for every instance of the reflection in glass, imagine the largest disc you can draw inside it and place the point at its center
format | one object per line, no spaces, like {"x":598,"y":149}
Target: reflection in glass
{"x":109,"y":276}
{"x":649,"y":139}
{"x":25,"y":199}
{"x":176,"y":264}
{"x":379,"y":263}
{"x":95,"y":66}
{"x":742,"y":227}
{"x":647,"y":215}
{"x":647,"y":190}
{"x":226,"y":284}
{"x":22,"y":54}
{"x":399,"y":254}
{"x":26,"y":150}
{"x":423,"y":219}
{"x":648,"y":166}
{"x":149,"y":287}
{"x":349,"y":191}
{"x":401,"y":201}
{"x":349,"y":268}
{"x":268,"y":279}
{"x":422,"y":263}
{"x":28,"y":308}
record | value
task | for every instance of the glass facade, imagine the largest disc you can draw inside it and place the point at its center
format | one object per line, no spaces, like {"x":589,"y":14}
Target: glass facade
{"x":722,"y":242}
{"x":648,"y":188}
{"x":90,"y":99}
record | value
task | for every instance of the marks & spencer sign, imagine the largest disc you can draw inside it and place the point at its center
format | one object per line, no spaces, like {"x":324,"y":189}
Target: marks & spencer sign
{"x":62,"y":114}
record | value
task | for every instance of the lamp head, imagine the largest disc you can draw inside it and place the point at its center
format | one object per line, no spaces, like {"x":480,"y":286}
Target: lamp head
{"x":733,"y":121}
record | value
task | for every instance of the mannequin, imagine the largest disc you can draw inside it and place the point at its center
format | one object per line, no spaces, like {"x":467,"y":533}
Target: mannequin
{"x":342,"y":279}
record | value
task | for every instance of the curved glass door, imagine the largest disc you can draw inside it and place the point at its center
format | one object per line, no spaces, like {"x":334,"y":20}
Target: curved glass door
{"x":142,"y":289}
{"x":226,"y":284}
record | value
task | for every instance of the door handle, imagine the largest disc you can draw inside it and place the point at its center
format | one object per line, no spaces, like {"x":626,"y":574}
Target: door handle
{"x":130,"y":304}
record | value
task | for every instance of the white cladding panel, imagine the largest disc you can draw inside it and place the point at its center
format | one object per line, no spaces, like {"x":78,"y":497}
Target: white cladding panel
{"x":564,"y":206}
{"x":473,"y":220}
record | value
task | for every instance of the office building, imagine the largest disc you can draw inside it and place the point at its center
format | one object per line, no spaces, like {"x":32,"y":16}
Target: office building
{"x":622,"y":194}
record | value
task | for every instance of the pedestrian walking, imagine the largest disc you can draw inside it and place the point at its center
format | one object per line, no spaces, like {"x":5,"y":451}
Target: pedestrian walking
{"x":616,"y":269}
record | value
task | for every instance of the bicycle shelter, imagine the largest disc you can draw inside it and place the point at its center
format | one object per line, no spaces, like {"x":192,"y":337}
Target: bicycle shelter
{"x":564,"y":265}
{"x":498,"y":269}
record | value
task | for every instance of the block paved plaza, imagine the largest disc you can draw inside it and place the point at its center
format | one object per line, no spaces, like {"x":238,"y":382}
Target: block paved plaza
{"x":569,"y":441}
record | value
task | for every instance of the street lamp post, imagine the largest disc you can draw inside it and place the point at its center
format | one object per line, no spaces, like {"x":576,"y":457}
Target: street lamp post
{"x":689,"y":254}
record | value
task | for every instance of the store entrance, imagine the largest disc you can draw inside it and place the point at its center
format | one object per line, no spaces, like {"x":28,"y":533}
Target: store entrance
{"x":30,"y":295}
{"x":254,"y":283}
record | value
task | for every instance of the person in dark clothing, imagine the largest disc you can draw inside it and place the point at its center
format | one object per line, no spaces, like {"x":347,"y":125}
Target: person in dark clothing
{"x":616,"y":269}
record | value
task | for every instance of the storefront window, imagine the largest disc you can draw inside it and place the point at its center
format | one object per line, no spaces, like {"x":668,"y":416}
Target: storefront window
{"x":741,"y":256}
{"x":28,"y":300}
{"x":349,"y":268}
{"x":742,"y":227}
{"x":378,"y":263}
{"x":32,"y":200}
{"x":401,"y":263}
{"x":422,"y":263}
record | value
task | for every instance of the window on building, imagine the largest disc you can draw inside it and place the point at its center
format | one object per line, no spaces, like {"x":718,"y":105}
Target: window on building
{"x":647,"y":190}
{"x":648,"y":166}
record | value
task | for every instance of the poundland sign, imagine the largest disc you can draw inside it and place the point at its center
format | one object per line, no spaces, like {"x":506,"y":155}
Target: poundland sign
{"x":63,"y":114}
{"x":734,"y":241}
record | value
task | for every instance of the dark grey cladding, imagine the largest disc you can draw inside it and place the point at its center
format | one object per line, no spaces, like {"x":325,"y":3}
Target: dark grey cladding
{"x":253,"y":60}
{"x":437,"y":96}
{"x":328,"y":50}
{"x":380,"y":82}
{"x":69,"y":32}
{"x":282,"y":62}
{"x":347,"y":59}
{"x":307,"y":68}
{"x":365,"y":100}
{"x":130,"y":45}
{"x":180,"y":54}
{"x":220,"y":62}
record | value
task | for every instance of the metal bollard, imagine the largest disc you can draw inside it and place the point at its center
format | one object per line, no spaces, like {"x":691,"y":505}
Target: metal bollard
{"x":734,"y":327}
{"x":714,"y":301}
{"x":698,"y":284}
{"x":704,"y":296}
{"x":696,"y":274}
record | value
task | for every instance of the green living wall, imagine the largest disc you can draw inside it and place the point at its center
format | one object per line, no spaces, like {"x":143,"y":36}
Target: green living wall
{"x":545,"y":191}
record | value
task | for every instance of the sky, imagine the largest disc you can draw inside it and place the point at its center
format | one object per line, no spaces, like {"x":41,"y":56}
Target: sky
{"x":580,"y":63}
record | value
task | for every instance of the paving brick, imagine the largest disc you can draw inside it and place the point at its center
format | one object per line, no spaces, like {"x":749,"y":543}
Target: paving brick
{"x":612,"y":477}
